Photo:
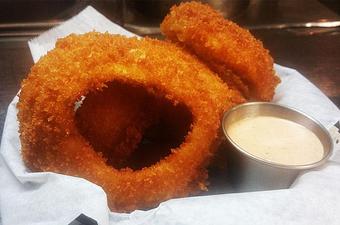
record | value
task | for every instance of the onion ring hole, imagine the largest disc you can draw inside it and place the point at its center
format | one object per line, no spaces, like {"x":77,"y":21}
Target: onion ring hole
{"x":130,"y":126}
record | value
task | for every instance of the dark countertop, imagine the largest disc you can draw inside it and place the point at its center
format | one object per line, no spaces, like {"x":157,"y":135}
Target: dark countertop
{"x":313,"y":52}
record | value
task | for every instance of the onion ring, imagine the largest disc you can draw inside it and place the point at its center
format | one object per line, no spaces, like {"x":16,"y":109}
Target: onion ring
{"x":80,"y":64}
{"x":229,"y":50}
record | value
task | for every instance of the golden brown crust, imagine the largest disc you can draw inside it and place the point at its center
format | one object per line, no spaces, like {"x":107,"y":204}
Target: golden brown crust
{"x":83,"y":63}
{"x":223,"y":45}
{"x":114,"y":119}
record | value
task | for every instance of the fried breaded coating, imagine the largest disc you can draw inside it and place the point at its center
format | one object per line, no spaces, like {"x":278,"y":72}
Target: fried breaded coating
{"x":114,"y":119}
{"x":228,"y":49}
{"x":81,"y":64}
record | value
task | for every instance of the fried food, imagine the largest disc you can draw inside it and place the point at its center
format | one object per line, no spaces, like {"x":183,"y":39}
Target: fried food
{"x":114,"y":120}
{"x":81,"y":64}
{"x":229,"y":50}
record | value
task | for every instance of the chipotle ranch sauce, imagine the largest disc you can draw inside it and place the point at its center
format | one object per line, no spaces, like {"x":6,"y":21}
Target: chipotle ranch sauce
{"x":277,"y":140}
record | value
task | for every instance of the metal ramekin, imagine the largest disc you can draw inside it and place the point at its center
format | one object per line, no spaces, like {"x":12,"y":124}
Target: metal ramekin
{"x":248,"y":172}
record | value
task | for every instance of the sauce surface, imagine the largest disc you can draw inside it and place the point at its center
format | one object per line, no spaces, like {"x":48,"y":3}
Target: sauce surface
{"x":277,"y":140}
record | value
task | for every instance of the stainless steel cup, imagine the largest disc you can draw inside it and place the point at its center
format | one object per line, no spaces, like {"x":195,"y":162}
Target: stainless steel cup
{"x":251,"y":173}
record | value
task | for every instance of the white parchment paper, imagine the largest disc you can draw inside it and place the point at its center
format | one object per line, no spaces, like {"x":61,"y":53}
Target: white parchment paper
{"x":53,"y":199}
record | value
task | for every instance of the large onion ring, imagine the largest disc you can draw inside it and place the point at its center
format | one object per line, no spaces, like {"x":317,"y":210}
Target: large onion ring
{"x":83,"y":63}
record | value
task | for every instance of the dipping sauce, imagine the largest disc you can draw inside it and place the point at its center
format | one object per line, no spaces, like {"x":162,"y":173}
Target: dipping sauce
{"x":277,"y":140}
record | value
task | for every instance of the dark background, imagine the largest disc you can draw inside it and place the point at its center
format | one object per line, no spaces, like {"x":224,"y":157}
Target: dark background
{"x":315,"y":52}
